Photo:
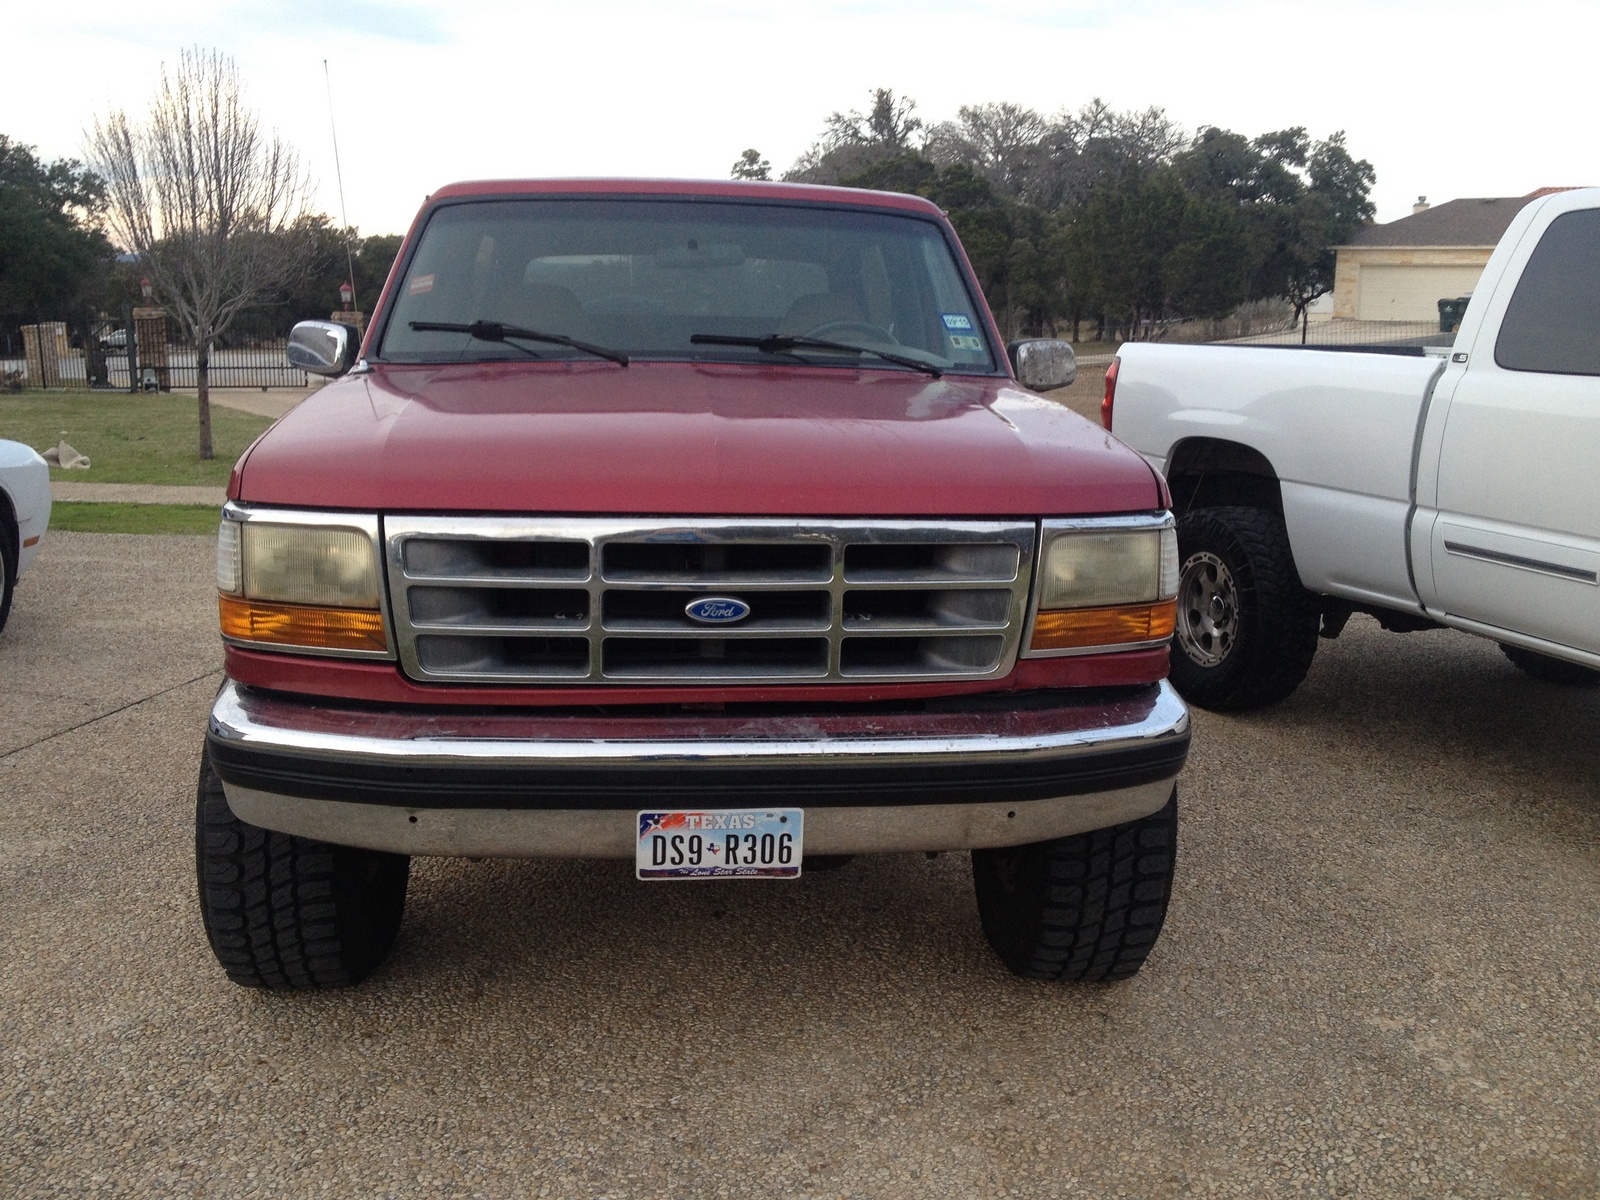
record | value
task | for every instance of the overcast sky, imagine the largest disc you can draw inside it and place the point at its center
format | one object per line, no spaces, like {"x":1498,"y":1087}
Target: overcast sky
{"x":1449,"y":99}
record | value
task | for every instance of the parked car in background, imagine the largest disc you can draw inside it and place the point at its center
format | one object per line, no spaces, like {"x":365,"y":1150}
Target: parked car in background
{"x":24,"y":514}
{"x":709,"y":526}
{"x":114,"y":342}
{"x":1455,"y":490}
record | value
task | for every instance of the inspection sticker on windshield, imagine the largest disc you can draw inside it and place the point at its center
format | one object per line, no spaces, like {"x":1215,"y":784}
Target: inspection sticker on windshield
{"x":964,"y":342}
{"x":728,"y":843}
{"x":956,"y":320}
{"x":421,"y":284}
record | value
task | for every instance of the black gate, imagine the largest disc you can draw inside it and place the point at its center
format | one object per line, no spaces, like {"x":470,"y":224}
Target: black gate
{"x":114,"y":356}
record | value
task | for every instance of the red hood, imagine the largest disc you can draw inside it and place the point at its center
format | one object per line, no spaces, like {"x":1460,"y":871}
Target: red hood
{"x":686,"y":439}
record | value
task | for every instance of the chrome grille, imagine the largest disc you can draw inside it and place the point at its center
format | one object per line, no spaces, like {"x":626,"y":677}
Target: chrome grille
{"x":530,"y":600}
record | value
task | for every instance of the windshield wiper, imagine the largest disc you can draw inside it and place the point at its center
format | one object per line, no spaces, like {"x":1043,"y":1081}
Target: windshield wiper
{"x":494,"y":331}
{"x":781,"y":343}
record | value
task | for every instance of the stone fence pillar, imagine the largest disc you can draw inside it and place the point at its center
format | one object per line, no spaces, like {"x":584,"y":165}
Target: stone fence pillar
{"x":150,"y":333}
{"x":44,"y":346}
{"x":357,"y":320}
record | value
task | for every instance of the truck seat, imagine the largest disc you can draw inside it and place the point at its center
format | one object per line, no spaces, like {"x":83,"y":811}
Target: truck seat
{"x":550,"y":308}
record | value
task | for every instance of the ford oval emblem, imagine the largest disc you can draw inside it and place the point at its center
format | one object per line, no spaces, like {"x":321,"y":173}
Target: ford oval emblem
{"x":717,"y":610}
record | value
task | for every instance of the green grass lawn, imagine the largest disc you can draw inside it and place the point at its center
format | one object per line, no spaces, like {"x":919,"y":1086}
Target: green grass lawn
{"x":134,"y":518}
{"x":130,"y":439}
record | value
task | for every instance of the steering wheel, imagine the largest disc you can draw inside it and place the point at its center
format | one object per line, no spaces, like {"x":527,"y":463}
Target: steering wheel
{"x":877,"y":333}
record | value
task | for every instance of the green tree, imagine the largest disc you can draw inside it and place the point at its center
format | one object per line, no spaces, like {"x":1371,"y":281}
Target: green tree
{"x":53,"y":255}
{"x":750,"y":165}
{"x":983,"y":222}
{"x":980,"y":219}
{"x":853,"y":141}
{"x":374,"y":261}
{"x":1336,"y":204}
{"x":1116,"y":215}
{"x":1206,"y":269}
{"x":1119,"y":239}
{"x":315,"y":295}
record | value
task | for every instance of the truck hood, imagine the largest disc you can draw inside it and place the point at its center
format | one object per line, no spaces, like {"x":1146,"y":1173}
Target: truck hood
{"x":689,"y":439}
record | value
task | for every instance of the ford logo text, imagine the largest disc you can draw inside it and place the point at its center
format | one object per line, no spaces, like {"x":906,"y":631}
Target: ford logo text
{"x":717,"y":610}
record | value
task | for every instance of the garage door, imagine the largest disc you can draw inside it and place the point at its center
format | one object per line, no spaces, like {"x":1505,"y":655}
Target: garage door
{"x":1411,"y":293}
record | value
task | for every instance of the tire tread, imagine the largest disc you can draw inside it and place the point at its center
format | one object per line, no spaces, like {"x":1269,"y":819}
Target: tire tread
{"x":1279,"y":618}
{"x":1086,"y":908}
{"x":273,"y":906}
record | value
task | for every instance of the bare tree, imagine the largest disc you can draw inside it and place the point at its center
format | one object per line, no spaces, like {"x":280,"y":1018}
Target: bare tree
{"x":210,"y":204}
{"x":999,"y":141}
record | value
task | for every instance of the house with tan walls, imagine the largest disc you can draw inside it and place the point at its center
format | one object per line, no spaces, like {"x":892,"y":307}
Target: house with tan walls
{"x":1401,"y":270}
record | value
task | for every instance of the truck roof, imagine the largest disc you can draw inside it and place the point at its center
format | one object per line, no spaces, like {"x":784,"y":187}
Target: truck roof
{"x":732,"y":189}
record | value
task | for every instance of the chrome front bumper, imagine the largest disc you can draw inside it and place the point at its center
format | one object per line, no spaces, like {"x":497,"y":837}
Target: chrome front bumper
{"x":986,"y":770}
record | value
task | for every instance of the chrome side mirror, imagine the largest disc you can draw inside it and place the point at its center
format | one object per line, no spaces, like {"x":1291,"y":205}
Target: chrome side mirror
{"x":1043,"y":363}
{"x":322,"y":347}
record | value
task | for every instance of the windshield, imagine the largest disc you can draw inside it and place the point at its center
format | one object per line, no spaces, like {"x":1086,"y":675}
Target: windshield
{"x":644,"y":277}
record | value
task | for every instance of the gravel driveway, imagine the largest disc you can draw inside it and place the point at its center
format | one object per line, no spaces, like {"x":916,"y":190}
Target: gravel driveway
{"x":1379,"y":977}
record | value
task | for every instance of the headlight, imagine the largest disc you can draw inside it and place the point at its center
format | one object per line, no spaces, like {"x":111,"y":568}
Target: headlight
{"x":1105,"y":585}
{"x":303,"y":565}
{"x":302,"y":580}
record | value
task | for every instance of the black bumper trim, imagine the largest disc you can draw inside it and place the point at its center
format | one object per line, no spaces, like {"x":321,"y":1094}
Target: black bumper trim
{"x":474,"y":785}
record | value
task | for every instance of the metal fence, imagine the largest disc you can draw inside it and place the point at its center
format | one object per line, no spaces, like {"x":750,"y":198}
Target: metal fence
{"x":106,"y":354}
{"x":100,"y":355}
{"x":1395,"y":337}
{"x":1338,"y":333}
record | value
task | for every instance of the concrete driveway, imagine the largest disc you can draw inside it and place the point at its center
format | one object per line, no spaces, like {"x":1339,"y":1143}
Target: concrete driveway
{"x":1379,"y":976}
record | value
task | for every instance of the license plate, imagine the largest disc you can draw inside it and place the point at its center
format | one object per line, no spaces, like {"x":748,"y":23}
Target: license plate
{"x":725,"y":843}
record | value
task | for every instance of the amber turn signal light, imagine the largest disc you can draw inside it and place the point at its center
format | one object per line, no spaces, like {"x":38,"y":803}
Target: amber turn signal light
{"x":302,"y":625}
{"x":1079,"y":628}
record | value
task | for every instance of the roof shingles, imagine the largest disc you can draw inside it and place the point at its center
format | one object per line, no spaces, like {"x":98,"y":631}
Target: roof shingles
{"x":1471,"y":222}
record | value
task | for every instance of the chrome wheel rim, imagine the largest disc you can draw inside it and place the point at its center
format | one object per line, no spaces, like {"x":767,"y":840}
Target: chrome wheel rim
{"x":1208,"y":610}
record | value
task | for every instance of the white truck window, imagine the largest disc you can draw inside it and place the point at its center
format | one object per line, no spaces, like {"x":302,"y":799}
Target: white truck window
{"x":1553,"y":321}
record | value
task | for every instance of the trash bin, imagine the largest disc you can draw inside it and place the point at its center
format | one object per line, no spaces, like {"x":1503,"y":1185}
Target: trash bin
{"x":1450,"y":313}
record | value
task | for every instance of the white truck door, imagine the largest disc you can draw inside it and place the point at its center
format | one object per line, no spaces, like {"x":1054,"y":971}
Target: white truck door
{"x":1516,"y":543}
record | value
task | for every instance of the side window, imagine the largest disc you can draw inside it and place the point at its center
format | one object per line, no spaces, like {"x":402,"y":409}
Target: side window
{"x":1553,"y":321}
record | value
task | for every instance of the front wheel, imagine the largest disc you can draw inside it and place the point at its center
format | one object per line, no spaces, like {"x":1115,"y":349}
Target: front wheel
{"x":1085,"y":908}
{"x":285,"y":912}
{"x":8,"y":569}
{"x":1246,"y":627}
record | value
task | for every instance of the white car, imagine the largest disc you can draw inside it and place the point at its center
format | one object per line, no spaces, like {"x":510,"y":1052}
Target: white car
{"x":24,"y":514}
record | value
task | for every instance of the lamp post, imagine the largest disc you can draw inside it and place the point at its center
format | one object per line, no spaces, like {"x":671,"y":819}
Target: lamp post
{"x":347,"y":294}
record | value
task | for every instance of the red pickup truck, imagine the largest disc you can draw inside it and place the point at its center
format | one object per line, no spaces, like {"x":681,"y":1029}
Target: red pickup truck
{"x":707,"y":525}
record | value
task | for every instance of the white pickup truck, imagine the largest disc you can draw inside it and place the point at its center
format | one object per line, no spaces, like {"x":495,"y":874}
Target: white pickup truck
{"x":1459,"y":489}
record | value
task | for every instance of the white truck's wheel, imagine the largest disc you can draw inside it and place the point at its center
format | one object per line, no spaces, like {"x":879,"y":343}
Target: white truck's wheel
{"x":1246,"y":628}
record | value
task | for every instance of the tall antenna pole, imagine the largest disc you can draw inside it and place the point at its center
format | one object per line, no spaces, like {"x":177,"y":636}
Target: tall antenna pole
{"x":349,"y":255}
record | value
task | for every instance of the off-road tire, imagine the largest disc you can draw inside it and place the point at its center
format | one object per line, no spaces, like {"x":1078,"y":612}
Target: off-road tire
{"x":10,"y":553}
{"x":285,"y":912}
{"x":1551,"y":670}
{"x":1080,"y":909}
{"x":1275,"y":619}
